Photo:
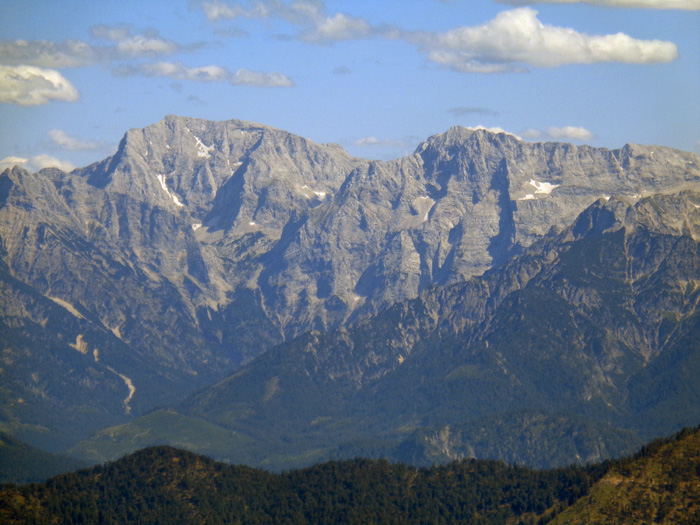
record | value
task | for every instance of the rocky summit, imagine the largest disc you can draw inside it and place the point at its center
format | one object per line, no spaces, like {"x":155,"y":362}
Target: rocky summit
{"x":198,"y":246}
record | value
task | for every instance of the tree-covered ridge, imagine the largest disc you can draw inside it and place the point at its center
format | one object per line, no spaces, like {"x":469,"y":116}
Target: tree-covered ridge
{"x":166,"y":485}
{"x":661,"y":483}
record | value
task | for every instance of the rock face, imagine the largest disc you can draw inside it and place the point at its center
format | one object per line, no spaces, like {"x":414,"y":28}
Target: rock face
{"x":199,"y":245}
{"x":578,"y":349}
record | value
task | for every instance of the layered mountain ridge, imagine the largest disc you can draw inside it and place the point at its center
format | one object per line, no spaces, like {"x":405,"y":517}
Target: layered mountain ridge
{"x":200,"y":245}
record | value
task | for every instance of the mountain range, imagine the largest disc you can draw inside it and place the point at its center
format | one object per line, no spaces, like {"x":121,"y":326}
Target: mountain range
{"x":241,"y":291}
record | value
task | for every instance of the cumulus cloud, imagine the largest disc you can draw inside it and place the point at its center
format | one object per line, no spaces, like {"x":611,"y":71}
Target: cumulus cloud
{"x":77,"y":53}
{"x":47,"y":161}
{"x":337,"y":27}
{"x":134,"y":45}
{"x":223,"y":11}
{"x":43,"y":53}
{"x":9,"y":162}
{"x":570,"y":133}
{"x":139,"y":45}
{"x":298,"y":12}
{"x":516,"y":38}
{"x":316,"y":25}
{"x":34,"y":86}
{"x":691,"y":5}
{"x":178,"y":71}
{"x":36,"y":163}
{"x":64,"y":140}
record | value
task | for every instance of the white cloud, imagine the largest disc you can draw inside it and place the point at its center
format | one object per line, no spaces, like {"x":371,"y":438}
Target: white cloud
{"x":260,"y":79}
{"x":178,"y":71}
{"x":531,"y":134}
{"x":317,"y":26}
{"x":298,"y":12}
{"x":77,"y":53}
{"x":47,"y":161}
{"x":33,"y":86}
{"x":223,"y":11}
{"x":9,"y":162}
{"x":374,"y":141}
{"x":516,"y":38}
{"x":338,"y":27}
{"x":139,"y":45}
{"x":493,"y":129}
{"x":691,"y":5}
{"x":38,"y":162}
{"x":43,"y":53}
{"x":570,"y":133}
{"x":576,"y":133}
{"x":64,"y":140}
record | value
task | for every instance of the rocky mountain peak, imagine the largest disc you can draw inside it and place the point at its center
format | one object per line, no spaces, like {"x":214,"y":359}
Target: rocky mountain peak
{"x":198,"y":245}
{"x":323,"y":238}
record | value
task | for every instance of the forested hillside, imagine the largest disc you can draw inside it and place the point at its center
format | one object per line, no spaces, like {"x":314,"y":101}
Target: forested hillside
{"x":166,"y":485}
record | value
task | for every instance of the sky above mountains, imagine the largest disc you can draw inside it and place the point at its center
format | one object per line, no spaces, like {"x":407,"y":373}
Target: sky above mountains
{"x":375,"y":77}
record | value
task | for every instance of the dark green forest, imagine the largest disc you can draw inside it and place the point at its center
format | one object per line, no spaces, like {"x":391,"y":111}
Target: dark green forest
{"x":167,"y":485}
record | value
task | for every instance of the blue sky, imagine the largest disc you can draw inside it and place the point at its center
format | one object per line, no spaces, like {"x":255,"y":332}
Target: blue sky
{"x":375,"y":77}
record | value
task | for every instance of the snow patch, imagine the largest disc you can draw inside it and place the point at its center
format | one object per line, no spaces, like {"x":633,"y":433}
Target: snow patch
{"x":543,"y":187}
{"x":527,"y":197}
{"x":196,"y":226}
{"x":175,"y":199}
{"x":252,"y":223}
{"x":310,"y":193}
{"x":202,"y":149}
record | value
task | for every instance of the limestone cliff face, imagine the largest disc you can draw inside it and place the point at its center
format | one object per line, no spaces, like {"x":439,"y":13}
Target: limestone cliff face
{"x":201,"y":244}
{"x":313,"y":238}
{"x":323,"y":238}
{"x":571,"y":351}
